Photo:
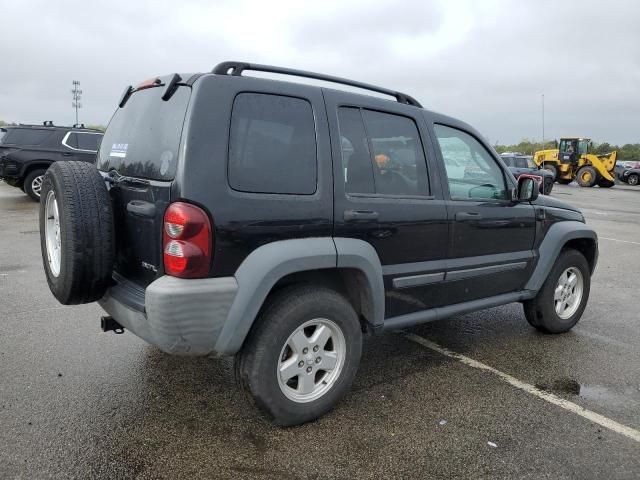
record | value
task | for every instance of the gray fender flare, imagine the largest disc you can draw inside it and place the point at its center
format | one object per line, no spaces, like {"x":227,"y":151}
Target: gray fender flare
{"x":360,"y":255}
{"x":557,"y":236}
{"x":267,"y":264}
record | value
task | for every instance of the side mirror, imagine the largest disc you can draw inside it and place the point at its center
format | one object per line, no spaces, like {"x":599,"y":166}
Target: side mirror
{"x":527,"y":190}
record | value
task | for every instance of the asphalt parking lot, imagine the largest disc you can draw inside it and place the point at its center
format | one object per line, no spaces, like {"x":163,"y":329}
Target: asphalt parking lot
{"x":78,"y":403}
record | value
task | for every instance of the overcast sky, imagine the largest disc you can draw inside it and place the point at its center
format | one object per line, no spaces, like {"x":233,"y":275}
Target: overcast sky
{"x":486,"y":62}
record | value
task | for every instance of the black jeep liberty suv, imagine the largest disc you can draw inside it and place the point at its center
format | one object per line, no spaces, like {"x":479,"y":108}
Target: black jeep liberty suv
{"x":280,"y":222}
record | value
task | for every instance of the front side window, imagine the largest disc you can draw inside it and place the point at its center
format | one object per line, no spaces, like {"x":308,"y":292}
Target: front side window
{"x":472,"y":172}
{"x":382,"y":154}
{"x":272,"y":145}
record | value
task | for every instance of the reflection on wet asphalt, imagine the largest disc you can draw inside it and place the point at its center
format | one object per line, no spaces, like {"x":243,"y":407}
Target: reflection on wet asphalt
{"x":76,"y":403}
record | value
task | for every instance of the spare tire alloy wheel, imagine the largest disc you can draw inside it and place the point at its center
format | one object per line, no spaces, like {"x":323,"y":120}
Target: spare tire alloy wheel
{"x":52,"y":233}
{"x":310,"y":365}
{"x":76,"y":232}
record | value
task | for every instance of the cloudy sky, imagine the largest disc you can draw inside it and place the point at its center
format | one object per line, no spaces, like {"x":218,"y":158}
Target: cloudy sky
{"x":487,"y":62}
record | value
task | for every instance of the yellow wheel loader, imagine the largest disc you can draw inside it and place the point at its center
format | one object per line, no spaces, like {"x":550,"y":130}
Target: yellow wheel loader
{"x":573,"y":161}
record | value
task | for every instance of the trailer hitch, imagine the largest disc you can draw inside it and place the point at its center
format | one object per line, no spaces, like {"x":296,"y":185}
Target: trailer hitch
{"x":108,"y":324}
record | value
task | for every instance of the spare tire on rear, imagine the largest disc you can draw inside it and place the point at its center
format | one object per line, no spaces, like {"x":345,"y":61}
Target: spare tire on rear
{"x":76,"y":232}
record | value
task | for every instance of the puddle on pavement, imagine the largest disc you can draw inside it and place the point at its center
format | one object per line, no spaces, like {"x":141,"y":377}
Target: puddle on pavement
{"x":11,"y":268}
{"x":625,"y":396}
{"x":561,"y":385}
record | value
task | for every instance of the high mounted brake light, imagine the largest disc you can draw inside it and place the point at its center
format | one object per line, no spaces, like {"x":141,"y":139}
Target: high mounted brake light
{"x":152,"y":82}
{"x":187,"y":241}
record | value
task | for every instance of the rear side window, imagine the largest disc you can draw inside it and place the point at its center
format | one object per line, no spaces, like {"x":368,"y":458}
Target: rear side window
{"x":26,"y":136}
{"x":83,"y":141}
{"x":272,"y":145}
{"x":143,"y":138}
{"x":382,"y":154}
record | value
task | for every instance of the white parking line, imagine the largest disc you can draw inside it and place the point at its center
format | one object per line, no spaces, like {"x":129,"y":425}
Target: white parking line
{"x":616,"y":240}
{"x":549,"y":397}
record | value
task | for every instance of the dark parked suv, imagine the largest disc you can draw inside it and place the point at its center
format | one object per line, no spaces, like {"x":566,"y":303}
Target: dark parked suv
{"x":26,"y":151}
{"x":523,"y":164}
{"x":281,"y":222}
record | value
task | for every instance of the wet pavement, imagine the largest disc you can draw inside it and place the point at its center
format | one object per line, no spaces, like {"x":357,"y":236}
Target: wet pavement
{"x":78,"y":403}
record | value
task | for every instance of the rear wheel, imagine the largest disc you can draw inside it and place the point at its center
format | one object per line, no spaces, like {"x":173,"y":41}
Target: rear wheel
{"x":302,"y":355}
{"x":33,"y":184}
{"x":586,"y":176}
{"x":633,"y":179}
{"x":550,"y":167}
{"x":563,"y":296}
{"x":604,"y":183}
{"x":76,"y":232}
{"x":564,"y":181}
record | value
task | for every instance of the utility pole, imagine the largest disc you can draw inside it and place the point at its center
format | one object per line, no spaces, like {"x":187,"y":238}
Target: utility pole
{"x":77,"y":96}
{"x":543,"y":121}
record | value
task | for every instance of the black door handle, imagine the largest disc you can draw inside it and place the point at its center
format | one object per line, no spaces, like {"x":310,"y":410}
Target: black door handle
{"x":468,"y":216}
{"x":350,"y":215}
{"x":66,"y":154}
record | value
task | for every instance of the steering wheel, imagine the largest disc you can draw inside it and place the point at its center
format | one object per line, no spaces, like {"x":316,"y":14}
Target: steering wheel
{"x":483,"y":188}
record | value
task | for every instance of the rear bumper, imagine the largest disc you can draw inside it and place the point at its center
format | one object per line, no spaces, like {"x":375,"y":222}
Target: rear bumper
{"x":182,"y":317}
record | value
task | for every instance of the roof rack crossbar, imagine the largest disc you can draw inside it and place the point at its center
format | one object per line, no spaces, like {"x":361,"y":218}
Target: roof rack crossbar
{"x":236,"y":69}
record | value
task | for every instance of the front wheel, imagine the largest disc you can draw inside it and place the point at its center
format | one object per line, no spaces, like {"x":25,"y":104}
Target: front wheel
{"x":563,"y":296}
{"x":550,"y":167}
{"x":302,"y":355}
{"x":586,"y":176}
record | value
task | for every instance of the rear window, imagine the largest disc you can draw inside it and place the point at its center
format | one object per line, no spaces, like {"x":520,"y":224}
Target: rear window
{"x":83,"y":141}
{"x":26,"y":136}
{"x":272,"y":145}
{"x":143,"y":137}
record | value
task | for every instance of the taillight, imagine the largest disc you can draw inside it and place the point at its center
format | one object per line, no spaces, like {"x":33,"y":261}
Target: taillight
{"x":187,"y":241}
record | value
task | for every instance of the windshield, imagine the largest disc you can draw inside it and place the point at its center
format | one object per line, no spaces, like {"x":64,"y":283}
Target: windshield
{"x":143,"y":137}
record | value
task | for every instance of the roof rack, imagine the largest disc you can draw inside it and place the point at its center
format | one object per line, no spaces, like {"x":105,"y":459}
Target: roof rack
{"x":236,"y":69}
{"x":48,"y":123}
{"x":78,"y":125}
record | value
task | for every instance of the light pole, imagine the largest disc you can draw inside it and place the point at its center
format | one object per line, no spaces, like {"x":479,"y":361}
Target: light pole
{"x":77,"y":96}
{"x":543,"y":121}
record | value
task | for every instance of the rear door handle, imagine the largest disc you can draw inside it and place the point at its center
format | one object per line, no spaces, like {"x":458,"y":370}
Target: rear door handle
{"x":351,"y":215}
{"x":468,"y":216}
{"x":66,"y":154}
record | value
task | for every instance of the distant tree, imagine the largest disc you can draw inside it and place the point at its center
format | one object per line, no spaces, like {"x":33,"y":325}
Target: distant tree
{"x":97,"y":127}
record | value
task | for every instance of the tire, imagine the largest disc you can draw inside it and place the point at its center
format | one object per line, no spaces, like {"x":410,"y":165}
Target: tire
{"x":564,"y":181}
{"x":550,"y":167}
{"x":547,"y":185}
{"x":586,"y":176}
{"x":78,"y":260}
{"x":269,"y":345}
{"x":541,"y":311}
{"x":32,"y":185}
{"x":633,"y":179}
{"x":604,"y":183}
